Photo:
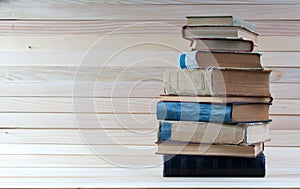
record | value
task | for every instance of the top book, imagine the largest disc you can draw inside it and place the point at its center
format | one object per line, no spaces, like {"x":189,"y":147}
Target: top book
{"x":219,"y":21}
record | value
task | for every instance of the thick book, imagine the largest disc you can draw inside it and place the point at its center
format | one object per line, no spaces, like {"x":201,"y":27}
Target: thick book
{"x":215,"y":99}
{"x":220,"y":21}
{"x":213,"y":133}
{"x":200,"y":59}
{"x":192,"y":32}
{"x":212,"y":166}
{"x":220,"y":113}
{"x":209,"y":149}
{"x":217,"y":82}
{"x":223,"y":44}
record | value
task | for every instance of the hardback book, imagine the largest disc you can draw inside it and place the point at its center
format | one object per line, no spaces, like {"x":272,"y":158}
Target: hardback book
{"x":213,"y":166}
{"x":213,"y":133}
{"x":209,"y":149}
{"x":200,"y":59}
{"x":223,"y":44}
{"x":220,"y":21}
{"x":192,"y":32}
{"x":221,"y":113}
{"x":215,"y":99}
{"x":217,"y":82}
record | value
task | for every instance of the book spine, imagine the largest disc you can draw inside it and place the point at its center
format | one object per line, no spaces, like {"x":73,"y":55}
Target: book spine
{"x":201,"y":132}
{"x":189,"y":82}
{"x":213,"y":166}
{"x":185,"y":35}
{"x":186,"y":111}
{"x":202,"y":45}
{"x":164,"y":131}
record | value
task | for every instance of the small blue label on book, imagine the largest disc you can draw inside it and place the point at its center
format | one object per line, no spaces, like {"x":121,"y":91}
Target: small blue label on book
{"x":182,"y":61}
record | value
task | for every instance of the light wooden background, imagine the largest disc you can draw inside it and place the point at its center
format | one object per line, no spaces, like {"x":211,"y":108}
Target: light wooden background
{"x":104,"y":61}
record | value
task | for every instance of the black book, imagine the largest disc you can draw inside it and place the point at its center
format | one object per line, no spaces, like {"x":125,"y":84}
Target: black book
{"x":213,"y":166}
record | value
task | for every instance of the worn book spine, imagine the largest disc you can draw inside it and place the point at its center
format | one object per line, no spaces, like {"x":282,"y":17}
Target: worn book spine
{"x":213,"y":166}
{"x":189,"y":82}
{"x":216,"y":133}
{"x":212,"y":81}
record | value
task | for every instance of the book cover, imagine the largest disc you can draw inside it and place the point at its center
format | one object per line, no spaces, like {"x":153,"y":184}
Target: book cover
{"x":190,"y":32}
{"x":217,"y":82}
{"x":204,"y":112}
{"x":220,"y":21}
{"x":200,"y":59}
{"x":212,"y":133}
{"x":213,"y":166}
{"x":223,"y":44}
{"x":188,"y":148}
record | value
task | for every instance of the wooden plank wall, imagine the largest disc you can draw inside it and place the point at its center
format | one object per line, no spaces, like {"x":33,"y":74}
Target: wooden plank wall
{"x":104,"y":61}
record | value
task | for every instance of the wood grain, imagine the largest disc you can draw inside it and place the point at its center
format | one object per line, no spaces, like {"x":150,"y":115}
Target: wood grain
{"x":283,"y":138}
{"x":121,"y":40}
{"x":144,"y":88}
{"x":100,"y":74}
{"x":108,"y":121}
{"x":280,"y":59}
{"x":285,"y":90}
{"x":273,"y":180}
{"x":285,"y":75}
{"x":88,"y":11}
{"x":153,"y":175}
{"x":77,"y":121}
{"x":273,"y":154}
{"x":279,"y":43}
{"x":65,"y":57}
{"x":58,"y":149}
{"x":160,"y":2}
{"x":79,"y":136}
{"x":285,"y":122}
{"x":285,"y":107}
{"x":78,"y":105}
{"x":73,"y":161}
{"x":102,"y":27}
{"x":113,"y":74}
{"x":277,"y":28}
{"x":276,"y":156}
{"x":108,"y":105}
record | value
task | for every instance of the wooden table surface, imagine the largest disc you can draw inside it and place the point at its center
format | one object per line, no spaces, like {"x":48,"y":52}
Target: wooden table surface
{"x":92,"y":171}
{"x":79,"y":81}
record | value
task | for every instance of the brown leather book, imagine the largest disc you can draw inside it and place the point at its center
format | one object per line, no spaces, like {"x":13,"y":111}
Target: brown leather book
{"x":191,"y":32}
{"x":198,"y":59}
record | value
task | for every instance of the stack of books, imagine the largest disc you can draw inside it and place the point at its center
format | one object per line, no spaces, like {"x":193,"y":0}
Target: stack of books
{"x":214,"y":114}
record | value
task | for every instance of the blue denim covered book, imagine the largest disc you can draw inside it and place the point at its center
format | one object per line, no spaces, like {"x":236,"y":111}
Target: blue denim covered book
{"x":213,"y":166}
{"x":204,"y":112}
